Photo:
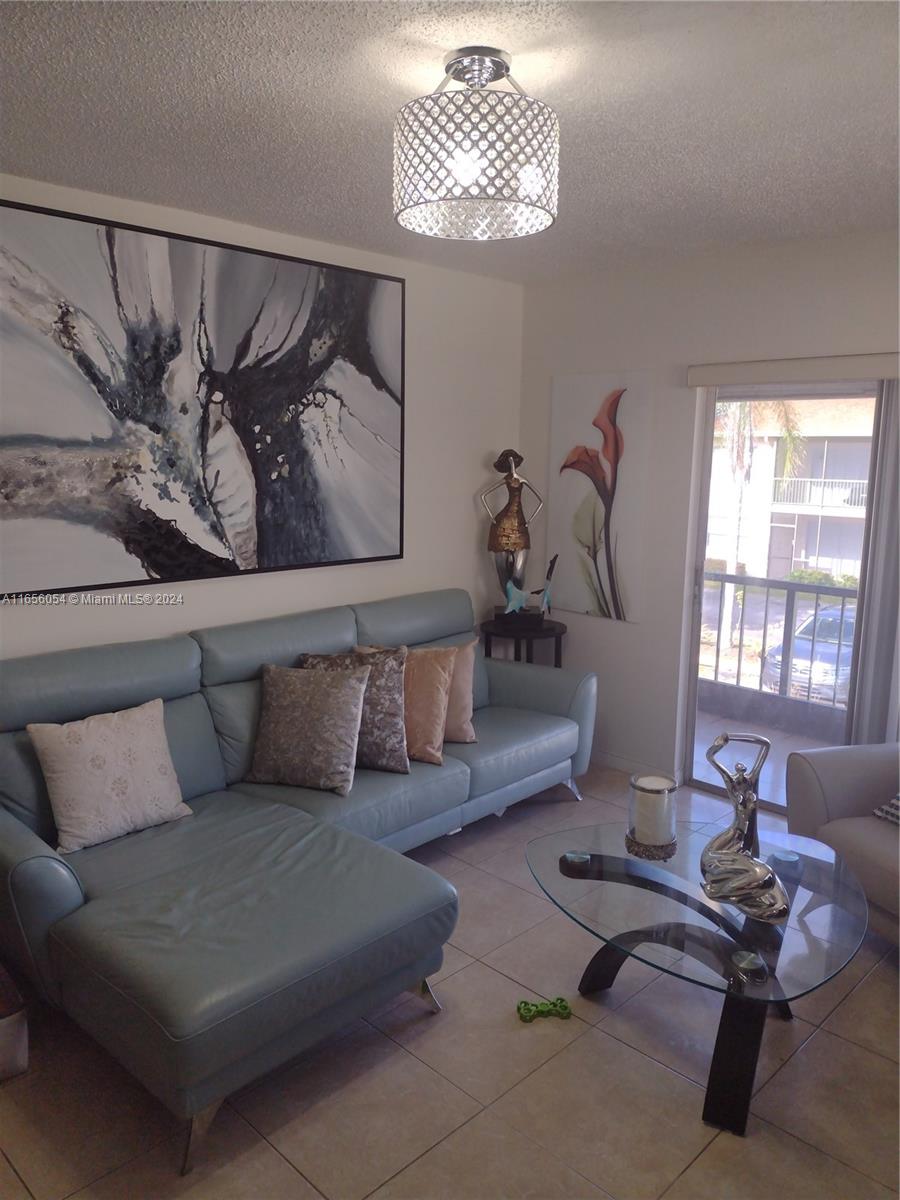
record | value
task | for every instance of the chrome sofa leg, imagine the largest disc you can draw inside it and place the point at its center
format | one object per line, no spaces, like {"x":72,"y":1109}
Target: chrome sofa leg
{"x":573,"y":787}
{"x":196,"y":1136}
{"x":424,"y":992}
{"x":500,"y":812}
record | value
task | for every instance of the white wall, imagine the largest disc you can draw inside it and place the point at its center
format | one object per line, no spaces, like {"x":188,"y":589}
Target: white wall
{"x":463,"y":356}
{"x":465,"y":347}
{"x":759,"y":302}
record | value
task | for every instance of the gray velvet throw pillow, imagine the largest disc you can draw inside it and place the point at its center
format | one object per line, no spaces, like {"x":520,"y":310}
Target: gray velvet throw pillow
{"x":309,"y":728}
{"x":382,"y":732}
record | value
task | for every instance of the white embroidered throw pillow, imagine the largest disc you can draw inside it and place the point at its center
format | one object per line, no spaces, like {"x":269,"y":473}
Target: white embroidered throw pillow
{"x":108,"y":775}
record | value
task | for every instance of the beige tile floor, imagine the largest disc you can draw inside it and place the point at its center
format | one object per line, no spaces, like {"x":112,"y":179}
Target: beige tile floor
{"x":472,"y":1104}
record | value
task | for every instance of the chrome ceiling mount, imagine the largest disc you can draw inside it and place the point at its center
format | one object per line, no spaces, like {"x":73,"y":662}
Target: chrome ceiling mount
{"x":477,"y":66}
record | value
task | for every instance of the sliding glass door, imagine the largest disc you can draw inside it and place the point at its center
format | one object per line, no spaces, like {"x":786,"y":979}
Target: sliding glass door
{"x":782,"y":528}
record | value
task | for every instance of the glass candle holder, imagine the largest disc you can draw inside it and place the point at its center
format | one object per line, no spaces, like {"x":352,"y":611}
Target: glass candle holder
{"x":651,"y":816}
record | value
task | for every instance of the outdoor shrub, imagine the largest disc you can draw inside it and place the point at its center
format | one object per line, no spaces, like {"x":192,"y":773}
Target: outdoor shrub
{"x":812,"y":575}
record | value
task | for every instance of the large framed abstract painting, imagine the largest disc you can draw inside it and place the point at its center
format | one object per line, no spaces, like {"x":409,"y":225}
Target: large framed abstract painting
{"x":598,"y":472}
{"x":173,"y":408}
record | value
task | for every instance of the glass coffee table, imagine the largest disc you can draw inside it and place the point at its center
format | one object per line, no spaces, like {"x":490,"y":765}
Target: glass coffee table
{"x":658,"y":913}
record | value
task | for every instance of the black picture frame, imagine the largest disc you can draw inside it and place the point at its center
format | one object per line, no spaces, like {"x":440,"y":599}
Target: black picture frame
{"x":181,"y":576}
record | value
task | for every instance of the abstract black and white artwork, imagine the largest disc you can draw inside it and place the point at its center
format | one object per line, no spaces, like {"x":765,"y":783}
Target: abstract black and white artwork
{"x":172,"y":408}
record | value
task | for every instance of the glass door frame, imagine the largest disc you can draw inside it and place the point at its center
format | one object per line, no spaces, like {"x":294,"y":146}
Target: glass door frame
{"x":707,"y":400}
{"x":703,"y":486}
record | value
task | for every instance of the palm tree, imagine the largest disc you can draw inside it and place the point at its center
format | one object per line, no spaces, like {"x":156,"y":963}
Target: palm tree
{"x":735,"y":432}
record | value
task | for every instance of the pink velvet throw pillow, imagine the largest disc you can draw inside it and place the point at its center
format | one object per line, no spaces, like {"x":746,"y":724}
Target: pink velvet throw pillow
{"x":460,"y":705}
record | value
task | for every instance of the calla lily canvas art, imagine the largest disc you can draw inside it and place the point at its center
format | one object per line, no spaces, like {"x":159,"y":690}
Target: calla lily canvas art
{"x":597,"y":457}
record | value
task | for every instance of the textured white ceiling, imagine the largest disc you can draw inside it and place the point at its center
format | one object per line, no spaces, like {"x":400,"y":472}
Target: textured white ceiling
{"x":683,"y":125}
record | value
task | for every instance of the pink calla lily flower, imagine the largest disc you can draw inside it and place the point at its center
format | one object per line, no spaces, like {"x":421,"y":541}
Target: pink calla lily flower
{"x":601,"y":467}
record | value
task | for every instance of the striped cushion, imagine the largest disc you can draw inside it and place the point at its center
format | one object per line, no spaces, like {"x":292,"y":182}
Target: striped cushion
{"x":890,"y":811}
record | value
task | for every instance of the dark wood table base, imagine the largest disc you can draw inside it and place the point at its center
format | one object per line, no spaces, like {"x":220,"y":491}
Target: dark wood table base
{"x":733,"y":1068}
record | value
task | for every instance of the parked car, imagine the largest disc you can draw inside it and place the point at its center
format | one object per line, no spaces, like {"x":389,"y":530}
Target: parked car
{"x":820,"y":666}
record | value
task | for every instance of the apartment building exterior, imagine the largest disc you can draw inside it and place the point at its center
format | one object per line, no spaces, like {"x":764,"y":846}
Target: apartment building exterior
{"x":788,"y":488}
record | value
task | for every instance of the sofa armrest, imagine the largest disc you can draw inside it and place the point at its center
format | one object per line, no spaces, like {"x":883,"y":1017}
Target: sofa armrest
{"x":563,"y":693}
{"x":37,"y":889}
{"x":839,"y":781}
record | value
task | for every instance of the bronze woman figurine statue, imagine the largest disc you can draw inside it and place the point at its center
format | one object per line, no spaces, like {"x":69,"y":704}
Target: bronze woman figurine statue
{"x":509,"y":540}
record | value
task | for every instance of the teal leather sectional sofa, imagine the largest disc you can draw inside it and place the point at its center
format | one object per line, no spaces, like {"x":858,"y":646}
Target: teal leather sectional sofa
{"x":205,"y":952}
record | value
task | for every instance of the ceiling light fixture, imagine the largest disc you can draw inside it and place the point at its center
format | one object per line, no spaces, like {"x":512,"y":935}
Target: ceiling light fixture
{"x":473,"y":163}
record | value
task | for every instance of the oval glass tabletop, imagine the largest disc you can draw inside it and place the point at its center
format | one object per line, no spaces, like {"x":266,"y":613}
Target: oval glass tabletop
{"x":657,"y":911}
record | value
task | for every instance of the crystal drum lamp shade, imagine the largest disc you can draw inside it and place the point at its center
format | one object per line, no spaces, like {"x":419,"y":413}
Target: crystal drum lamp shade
{"x":476,"y":164}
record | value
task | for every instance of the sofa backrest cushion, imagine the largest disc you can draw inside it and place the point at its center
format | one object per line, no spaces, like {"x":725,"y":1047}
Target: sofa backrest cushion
{"x":440,"y":618}
{"x":233,"y":659}
{"x":194,"y":746}
{"x":71,"y":684}
{"x":413,"y":620}
{"x":235,"y":709}
{"x":232,"y":653}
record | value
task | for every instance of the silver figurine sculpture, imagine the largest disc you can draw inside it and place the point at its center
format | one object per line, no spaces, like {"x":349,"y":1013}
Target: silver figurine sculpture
{"x":731,"y":872}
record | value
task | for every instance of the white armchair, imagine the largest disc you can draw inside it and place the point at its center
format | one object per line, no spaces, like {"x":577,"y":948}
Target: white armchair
{"x":831,"y":794}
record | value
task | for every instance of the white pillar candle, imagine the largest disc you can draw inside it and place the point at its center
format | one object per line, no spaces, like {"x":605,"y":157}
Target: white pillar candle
{"x":653,"y":809}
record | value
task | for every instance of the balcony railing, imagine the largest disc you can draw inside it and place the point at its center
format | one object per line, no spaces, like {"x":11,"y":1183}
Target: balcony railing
{"x":748,"y":637}
{"x":820,"y":493}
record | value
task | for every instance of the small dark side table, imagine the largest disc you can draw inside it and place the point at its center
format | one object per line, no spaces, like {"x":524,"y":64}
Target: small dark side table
{"x":549,"y":629}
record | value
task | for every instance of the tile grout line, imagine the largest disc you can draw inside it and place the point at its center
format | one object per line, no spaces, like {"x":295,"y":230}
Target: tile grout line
{"x":427,"y":1150}
{"x":12,"y":1168}
{"x":791,"y":1133}
{"x":281,"y":1155}
{"x":842,"y":1037}
{"x":506,"y":1124}
{"x":259,"y":1133}
{"x":527,"y":1075}
{"x":813,"y":1146}
{"x":698,"y":1155}
{"x":519,"y":983}
{"x":770,"y":1120}
{"x":440,"y":1074}
{"x":500,"y":945}
{"x":599,"y":1187}
{"x":534,"y":1070}
{"x":690,"y":1078}
{"x":118,"y":1167}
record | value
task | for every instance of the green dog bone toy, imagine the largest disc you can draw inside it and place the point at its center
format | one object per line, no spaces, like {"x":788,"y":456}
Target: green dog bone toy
{"x":544,"y":1008}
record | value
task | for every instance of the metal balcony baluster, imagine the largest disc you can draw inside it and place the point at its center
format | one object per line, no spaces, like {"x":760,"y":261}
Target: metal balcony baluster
{"x":788,"y":670}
